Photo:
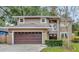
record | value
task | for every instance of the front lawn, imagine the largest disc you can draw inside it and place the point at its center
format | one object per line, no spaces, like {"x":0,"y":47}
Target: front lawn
{"x":75,"y":48}
{"x":55,"y":49}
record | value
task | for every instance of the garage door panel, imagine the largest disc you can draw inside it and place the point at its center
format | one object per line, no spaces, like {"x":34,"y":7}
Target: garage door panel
{"x":28,"y":38}
{"x":28,"y":42}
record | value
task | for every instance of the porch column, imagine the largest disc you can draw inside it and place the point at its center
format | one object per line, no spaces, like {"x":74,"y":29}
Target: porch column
{"x":12,"y":37}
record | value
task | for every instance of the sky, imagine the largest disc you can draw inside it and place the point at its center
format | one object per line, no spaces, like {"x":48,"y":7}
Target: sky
{"x":73,"y":12}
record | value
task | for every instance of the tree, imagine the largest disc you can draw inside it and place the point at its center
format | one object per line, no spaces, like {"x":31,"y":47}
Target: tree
{"x":3,"y":15}
{"x":24,"y":11}
{"x":9,"y":11}
{"x":53,"y":11}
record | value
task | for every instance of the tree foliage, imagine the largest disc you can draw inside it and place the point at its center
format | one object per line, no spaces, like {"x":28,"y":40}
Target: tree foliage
{"x":8,"y":11}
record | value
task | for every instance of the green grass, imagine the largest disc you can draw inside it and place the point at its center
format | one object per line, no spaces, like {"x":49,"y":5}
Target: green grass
{"x":75,"y":47}
{"x":54,"y":49}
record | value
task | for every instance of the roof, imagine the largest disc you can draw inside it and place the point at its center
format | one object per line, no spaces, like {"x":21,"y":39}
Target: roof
{"x":62,"y":19}
{"x":3,"y":29}
{"x":35,"y":16}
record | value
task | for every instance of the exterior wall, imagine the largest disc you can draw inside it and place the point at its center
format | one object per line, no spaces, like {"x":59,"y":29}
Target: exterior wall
{"x":64,"y":26}
{"x":3,"y":38}
{"x":67,"y":28}
{"x":31,"y":21}
{"x":9,"y":38}
{"x":44,"y":34}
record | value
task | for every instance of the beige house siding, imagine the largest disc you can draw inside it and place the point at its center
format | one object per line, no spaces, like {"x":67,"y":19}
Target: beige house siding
{"x":67,"y":28}
{"x":32,"y":21}
{"x":3,"y":38}
{"x":44,"y":33}
{"x":9,"y":38}
{"x":63,"y":29}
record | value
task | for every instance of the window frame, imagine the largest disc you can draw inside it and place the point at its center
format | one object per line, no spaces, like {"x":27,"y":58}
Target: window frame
{"x":45,"y":20}
{"x":23,"y":20}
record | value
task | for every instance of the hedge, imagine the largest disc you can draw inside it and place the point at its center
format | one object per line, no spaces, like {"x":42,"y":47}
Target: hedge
{"x":52,"y":43}
{"x":76,"y":39}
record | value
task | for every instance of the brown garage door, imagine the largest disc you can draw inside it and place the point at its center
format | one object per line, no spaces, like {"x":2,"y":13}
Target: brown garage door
{"x":27,"y":37}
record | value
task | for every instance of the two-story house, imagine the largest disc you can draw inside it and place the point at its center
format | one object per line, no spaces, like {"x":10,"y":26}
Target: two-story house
{"x":37,"y":29}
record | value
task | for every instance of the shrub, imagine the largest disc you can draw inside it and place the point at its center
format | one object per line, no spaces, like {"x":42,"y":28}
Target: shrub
{"x":76,"y":39}
{"x":76,"y":33}
{"x":52,"y":43}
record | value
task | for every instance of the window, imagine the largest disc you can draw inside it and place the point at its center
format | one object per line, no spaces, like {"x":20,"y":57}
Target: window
{"x":64,"y":35}
{"x":52,"y":36}
{"x":53,"y":27}
{"x":43,"y":20}
{"x":52,"y":21}
{"x":21,"y":20}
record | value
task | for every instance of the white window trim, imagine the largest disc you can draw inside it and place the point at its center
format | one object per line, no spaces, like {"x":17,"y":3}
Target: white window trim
{"x":23,"y":20}
{"x":45,"y":20}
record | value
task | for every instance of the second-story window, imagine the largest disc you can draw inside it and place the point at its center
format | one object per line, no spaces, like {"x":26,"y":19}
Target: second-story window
{"x":43,"y":20}
{"x":21,"y":20}
{"x":53,"y":26}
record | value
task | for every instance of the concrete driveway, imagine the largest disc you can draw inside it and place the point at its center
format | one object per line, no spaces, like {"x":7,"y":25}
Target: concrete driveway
{"x":21,"y":48}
